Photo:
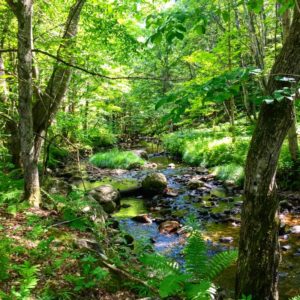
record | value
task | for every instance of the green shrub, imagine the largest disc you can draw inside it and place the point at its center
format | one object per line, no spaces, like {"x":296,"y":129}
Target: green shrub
{"x":57,"y":156}
{"x":213,"y":148}
{"x":91,"y":274}
{"x":101,"y":137}
{"x":232,"y":172}
{"x":10,"y":188}
{"x":5,"y":246}
{"x":116,"y":159}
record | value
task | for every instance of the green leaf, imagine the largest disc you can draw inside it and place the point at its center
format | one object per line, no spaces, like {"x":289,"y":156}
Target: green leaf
{"x":199,"y":291}
{"x":163,"y":101}
{"x":200,"y":28}
{"x":179,"y":35}
{"x":172,"y":284}
{"x":285,"y":5}
{"x":226,"y":16}
{"x":156,"y":38}
{"x":256,"y":5}
{"x":170,"y":36}
{"x":220,"y":262}
{"x":195,"y":256}
{"x":12,"y":209}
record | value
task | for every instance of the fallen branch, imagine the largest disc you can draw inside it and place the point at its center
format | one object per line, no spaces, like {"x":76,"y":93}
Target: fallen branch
{"x":125,"y":273}
{"x":66,"y":222}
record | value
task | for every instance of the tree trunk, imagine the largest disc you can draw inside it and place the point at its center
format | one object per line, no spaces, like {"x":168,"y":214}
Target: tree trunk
{"x":293,"y":139}
{"x":34,"y":121}
{"x":257,"y":50}
{"x":23,"y":11}
{"x":257,"y":269}
{"x":13,"y":142}
{"x":242,"y":63}
{"x":292,"y":134}
{"x":46,"y":108}
{"x":3,"y":88}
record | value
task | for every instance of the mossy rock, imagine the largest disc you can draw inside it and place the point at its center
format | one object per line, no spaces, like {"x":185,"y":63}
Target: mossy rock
{"x":154,"y":183}
{"x":107,"y":196}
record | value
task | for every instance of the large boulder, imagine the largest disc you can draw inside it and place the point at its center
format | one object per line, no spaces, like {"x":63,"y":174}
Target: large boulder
{"x":154,"y":183}
{"x":107,"y":196}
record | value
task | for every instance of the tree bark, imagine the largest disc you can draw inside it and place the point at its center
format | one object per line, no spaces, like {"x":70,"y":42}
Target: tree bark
{"x":257,"y":269}
{"x":292,"y":134}
{"x":293,"y":140}
{"x":3,"y":88}
{"x":23,"y":11}
{"x":45,"y":109}
{"x":35,"y":121}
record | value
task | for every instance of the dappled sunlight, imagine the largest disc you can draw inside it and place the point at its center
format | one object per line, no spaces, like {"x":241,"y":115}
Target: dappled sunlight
{"x":223,"y":141}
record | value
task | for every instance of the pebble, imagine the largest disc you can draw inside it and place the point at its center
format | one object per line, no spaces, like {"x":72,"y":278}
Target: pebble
{"x":295,"y":229}
{"x":286,"y":247}
{"x":142,"y":219}
{"x":226,"y":239}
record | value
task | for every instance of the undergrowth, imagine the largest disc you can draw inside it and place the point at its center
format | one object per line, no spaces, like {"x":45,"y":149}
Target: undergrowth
{"x":117,"y":159}
{"x":215,"y":149}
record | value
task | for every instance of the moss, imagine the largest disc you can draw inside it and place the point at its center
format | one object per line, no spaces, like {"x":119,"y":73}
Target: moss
{"x":136,"y":207}
{"x":119,"y":184}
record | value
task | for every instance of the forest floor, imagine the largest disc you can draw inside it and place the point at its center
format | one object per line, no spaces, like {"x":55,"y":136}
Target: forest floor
{"x":50,"y":254}
{"x":47,"y":253}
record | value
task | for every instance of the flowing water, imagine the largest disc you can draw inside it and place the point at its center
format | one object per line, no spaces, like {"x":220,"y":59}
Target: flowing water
{"x":210,"y":208}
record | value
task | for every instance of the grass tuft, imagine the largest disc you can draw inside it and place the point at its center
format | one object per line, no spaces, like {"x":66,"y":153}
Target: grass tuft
{"x":117,"y":159}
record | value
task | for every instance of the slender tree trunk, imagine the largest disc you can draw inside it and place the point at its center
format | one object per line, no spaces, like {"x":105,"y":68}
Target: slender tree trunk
{"x":293,"y":139}
{"x":255,"y":42}
{"x":292,"y":134}
{"x":257,"y":269}
{"x":230,"y":103}
{"x":3,"y":88}
{"x":30,"y":163}
{"x":242,"y":64}
{"x":35,"y":121}
{"x":11,"y":126}
{"x":86,"y":115}
{"x":46,"y":108}
{"x":23,"y":11}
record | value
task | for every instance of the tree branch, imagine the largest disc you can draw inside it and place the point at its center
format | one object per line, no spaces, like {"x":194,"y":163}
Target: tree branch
{"x":93,"y":73}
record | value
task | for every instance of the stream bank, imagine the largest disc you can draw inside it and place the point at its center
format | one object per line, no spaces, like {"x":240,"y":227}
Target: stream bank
{"x":215,"y":205}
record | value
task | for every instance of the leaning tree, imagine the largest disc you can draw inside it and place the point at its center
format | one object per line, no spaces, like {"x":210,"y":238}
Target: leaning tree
{"x":257,"y":270}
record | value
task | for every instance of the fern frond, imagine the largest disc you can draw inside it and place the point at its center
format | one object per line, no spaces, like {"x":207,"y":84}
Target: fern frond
{"x":195,"y":256}
{"x":159,"y":262}
{"x":220,"y":262}
{"x":199,"y":291}
{"x":172,"y":284}
{"x":296,"y":298}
